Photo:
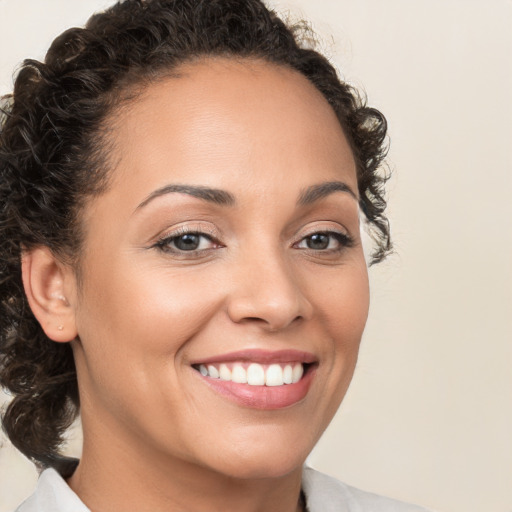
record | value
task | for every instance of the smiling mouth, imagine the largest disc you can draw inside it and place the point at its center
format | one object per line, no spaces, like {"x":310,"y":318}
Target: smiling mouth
{"x":255,"y":374}
{"x":259,"y":379}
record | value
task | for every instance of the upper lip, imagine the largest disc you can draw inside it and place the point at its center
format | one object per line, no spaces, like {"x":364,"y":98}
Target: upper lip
{"x":261,"y":356}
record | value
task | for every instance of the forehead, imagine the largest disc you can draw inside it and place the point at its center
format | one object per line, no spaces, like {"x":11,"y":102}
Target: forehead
{"x":219,"y":118}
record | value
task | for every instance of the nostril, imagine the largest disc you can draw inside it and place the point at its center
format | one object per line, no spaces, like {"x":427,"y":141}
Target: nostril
{"x":272,"y":324}
{"x":277,"y":326}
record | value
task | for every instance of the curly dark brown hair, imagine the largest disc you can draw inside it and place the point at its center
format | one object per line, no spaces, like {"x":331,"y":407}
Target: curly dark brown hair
{"x":53,"y":156}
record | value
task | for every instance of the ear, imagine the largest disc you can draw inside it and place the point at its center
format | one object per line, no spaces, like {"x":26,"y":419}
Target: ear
{"x":50,"y":287}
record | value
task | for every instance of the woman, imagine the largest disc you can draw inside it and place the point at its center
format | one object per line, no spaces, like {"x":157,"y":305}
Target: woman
{"x":182,"y":185}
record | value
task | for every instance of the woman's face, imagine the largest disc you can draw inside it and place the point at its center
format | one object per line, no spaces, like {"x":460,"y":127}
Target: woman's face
{"x":227,"y":244}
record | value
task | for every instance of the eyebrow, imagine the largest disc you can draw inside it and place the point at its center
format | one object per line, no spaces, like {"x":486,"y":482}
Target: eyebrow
{"x":223,"y":198}
{"x":317,"y":192}
{"x":212,"y":195}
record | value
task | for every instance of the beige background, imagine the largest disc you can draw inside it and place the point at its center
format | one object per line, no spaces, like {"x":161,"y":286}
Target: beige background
{"x":428,"y":418}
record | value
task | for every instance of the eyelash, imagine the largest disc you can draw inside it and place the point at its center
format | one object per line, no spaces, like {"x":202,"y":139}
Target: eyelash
{"x":164,"y":244}
{"x":344,"y":240}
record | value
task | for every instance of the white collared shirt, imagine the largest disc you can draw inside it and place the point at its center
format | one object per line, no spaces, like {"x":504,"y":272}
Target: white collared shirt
{"x":323,"y":494}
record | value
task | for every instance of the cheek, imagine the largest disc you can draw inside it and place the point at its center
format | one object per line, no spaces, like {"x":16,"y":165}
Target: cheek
{"x":342,"y":311}
{"x":148,"y":310}
{"x":343,"y":304}
{"x":134,"y":323}
{"x":341,"y":300}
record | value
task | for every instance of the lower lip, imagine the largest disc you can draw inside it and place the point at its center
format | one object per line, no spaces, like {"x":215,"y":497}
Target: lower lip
{"x":263,"y":397}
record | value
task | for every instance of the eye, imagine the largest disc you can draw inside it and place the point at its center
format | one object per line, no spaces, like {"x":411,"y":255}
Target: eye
{"x":325,"y":241}
{"x":186,"y":242}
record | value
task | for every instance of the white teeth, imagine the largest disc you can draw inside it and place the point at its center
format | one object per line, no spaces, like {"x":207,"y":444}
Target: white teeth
{"x":288,"y":374}
{"x":238,"y":374}
{"x":297,"y":373}
{"x":274,"y":375}
{"x":255,"y":375}
{"x":214,"y":373}
{"x":224,"y":372}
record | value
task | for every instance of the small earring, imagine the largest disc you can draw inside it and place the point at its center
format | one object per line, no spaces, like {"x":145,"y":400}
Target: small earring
{"x":60,"y":297}
{"x":60,"y":327}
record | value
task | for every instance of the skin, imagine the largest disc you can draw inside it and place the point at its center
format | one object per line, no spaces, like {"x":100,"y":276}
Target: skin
{"x":156,"y":437}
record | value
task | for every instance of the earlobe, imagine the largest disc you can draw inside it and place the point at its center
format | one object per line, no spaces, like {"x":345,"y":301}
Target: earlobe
{"x":48,"y":283}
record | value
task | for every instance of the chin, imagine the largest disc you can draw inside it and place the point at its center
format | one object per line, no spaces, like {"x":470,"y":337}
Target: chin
{"x":259,"y":461}
{"x":257,"y":468}
{"x":271,"y":446}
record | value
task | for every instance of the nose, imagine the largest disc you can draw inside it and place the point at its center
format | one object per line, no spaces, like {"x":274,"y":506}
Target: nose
{"x":267,"y":291}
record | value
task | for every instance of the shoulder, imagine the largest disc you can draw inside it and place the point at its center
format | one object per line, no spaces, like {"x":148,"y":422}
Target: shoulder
{"x":52,"y":494}
{"x":326,"y":494}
